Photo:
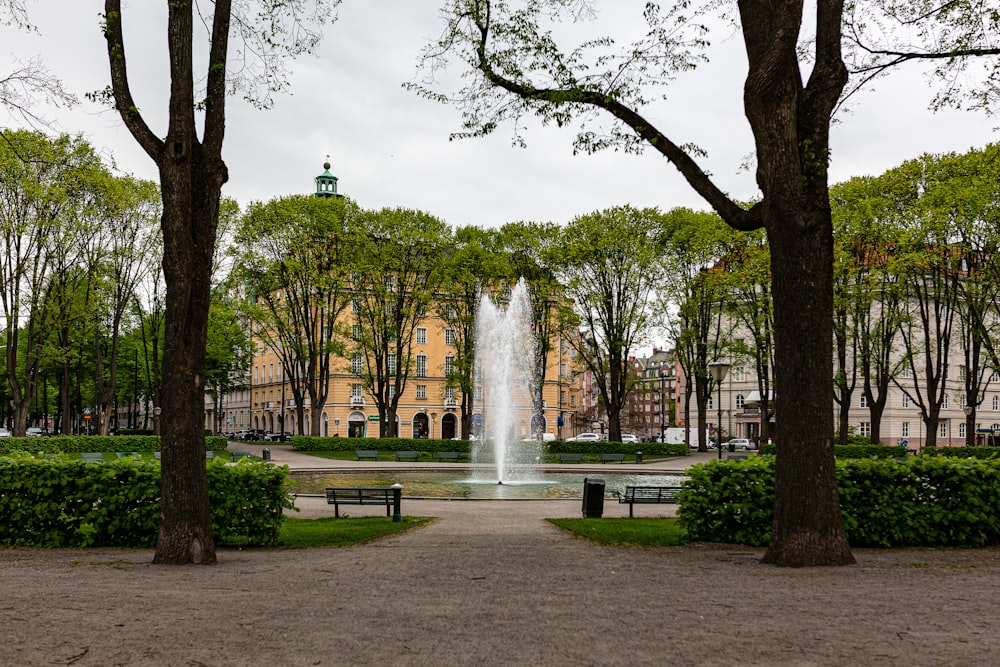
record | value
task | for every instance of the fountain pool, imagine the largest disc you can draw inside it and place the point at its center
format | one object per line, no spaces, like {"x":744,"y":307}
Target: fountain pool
{"x":549,"y":485}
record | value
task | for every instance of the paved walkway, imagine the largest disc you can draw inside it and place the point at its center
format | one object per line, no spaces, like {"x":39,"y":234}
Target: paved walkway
{"x":492,"y":583}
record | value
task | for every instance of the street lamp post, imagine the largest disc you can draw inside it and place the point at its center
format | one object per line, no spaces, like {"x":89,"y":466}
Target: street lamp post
{"x":718,"y":369}
{"x":969,"y":421}
{"x":663,"y":428}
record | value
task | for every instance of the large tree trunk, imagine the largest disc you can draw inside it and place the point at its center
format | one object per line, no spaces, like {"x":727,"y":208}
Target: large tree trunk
{"x":791,"y":129}
{"x":191,"y":186}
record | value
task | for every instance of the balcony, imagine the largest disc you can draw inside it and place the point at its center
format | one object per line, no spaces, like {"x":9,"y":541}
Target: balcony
{"x":357,"y":400}
{"x":451,"y":402}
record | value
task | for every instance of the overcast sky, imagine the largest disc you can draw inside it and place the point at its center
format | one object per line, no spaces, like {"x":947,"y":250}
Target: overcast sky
{"x":390,"y":147}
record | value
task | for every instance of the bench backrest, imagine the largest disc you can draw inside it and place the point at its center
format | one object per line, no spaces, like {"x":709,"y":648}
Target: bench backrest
{"x":92,"y":456}
{"x":660,"y":494}
{"x":359,"y":494}
{"x":446,"y":455}
{"x":367,"y":453}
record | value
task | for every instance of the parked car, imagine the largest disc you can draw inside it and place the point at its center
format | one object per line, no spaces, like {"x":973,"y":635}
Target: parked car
{"x":4,"y":433}
{"x":33,"y":432}
{"x":277,"y":437}
{"x":585,"y":437}
{"x":742,"y":444}
{"x":628,"y":437}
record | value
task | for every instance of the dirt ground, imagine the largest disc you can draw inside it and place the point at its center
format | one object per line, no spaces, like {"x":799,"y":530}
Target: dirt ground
{"x":491,"y":583}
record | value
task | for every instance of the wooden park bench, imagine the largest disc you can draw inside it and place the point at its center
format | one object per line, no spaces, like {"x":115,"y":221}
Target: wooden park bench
{"x":571,"y":458}
{"x":446,"y":456}
{"x":737,"y":456}
{"x":648,"y":495}
{"x":359,"y":496}
{"x":370,"y":454}
{"x":407,"y":455}
{"x":235,"y":456}
{"x":605,"y":458}
{"x":92,"y":456}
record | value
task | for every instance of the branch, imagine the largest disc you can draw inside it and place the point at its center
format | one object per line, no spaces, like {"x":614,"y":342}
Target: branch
{"x":122,"y":95}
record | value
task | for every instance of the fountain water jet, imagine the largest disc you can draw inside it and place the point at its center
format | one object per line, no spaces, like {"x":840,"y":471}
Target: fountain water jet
{"x":506,"y":382}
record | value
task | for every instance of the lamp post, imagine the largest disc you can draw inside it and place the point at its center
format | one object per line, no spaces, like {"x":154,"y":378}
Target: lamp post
{"x":969,"y":421}
{"x":156,"y":419}
{"x":663,"y":427}
{"x":718,"y":369}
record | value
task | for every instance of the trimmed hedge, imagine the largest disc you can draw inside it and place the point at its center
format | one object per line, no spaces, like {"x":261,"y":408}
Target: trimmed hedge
{"x":922,"y":501}
{"x":97,"y":443}
{"x":68,"y":503}
{"x":305,"y":443}
{"x":855,"y":451}
{"x":962,"y":452}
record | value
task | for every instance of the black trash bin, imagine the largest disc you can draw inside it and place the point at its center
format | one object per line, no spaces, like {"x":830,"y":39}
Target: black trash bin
{"x":732,"y":446}
{"x":638,"y":457}
{"x":593,"y":498}
{"x":266,"y":454}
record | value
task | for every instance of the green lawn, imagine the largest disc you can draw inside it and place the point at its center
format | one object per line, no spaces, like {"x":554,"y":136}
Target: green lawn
{"x":626,"y":532}
{"x":343,"y":532}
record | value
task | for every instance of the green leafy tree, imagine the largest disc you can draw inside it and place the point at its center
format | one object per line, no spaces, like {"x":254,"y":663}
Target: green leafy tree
{"x":295,"y":261}
{"x":610,"y":264}
{"x":398,"y":268}
{"x":192,"y":173}
{"x":532,"y":252}
{"x":128,"y":214}
{"x":45,"y":186}
{"x":229,"y":353}
{"x":693,"y":243}
{"x":472,"y":268}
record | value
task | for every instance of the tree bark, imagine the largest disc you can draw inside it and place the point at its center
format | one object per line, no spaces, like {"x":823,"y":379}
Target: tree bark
{"x":790,"y":123}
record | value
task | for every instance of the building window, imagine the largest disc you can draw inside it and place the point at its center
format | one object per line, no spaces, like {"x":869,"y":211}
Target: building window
{"x":421,"y":365}
{"x":421,"y":391}
{"x":943,"y":429}
{"x":865,"y":429}
{"x":357,"y":363}
{"x":355,"y":332}
{"x":572,"y":401}
{"x":996,"y":403}
{"x":562,"y":369}
{"x":906,"y":400}
{"x":392,"y":391}
{"x":739,"y":401}
{"x":961,"y":373}
{"x":449,"y":394}
{"x":449,"y":337}
{"x":906,"y":429}
{"x":562,"y":397}
{"x":711,"y":403}
{"x":864,"y":401}
{"x":355,"y":305}
{"x":907,"y":372}
{"x":944,"y":402}
{"x":961,"y":430}
{"x":421,"y":335}
{"x":449,"y":365}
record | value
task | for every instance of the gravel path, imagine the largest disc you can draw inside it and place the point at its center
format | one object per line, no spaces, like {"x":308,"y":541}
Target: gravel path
{"x":491,"y":583}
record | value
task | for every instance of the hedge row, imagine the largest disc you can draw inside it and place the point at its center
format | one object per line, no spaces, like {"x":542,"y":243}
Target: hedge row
{"x":96,"y":443}
{"x":922,"y":501}
{"x":306,"y":443}
{"x":68,"y":503}
{"x":855,"y":451}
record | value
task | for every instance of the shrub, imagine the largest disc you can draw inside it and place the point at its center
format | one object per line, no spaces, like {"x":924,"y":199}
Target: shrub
{"x":97,"y":443}
{"x":306,"y":443}
{"x":922,"y":501}
{"x":64,"y":503}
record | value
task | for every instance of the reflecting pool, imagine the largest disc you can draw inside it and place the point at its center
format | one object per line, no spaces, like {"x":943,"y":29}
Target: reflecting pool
{"x":551,"y":485}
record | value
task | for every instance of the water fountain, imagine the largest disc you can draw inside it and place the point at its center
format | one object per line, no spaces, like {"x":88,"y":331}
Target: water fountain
{"x":506,"y":382}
